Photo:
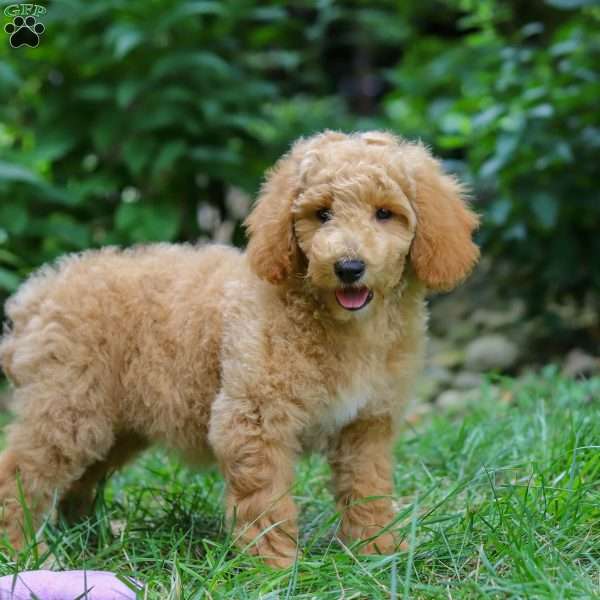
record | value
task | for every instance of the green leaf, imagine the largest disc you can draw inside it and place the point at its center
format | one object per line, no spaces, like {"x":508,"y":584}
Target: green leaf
{"x":127,"y":91}
{"x":198,"y":63}
{"x":138,"y":152}
{"x":545,"y":208}
{"x":13,"y":217}
{"x":210,"y":154}
{"x":8,"y":76}
{"x":123,"y":38}
{"x":54,"y":146}
{"x":9,"y":280}
{"x":167,"y":156}
{"x":542,"y":111}
{"x":91,"y":189}
{"x":185,"y":10}
{"x":572,"y":4}
{"x":499,"y":212}
{"x":95,"y":92}
{"x":151,"y":222}
{"x":14,"y":172}
{"x":8,"y":258}
{"x":66,"y":229}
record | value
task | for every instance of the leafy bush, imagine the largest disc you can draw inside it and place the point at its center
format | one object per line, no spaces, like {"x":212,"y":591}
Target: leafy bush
{"x":515,"y":104}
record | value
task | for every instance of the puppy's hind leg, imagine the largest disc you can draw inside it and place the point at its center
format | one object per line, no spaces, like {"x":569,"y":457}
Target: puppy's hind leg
{"x":76,"y":503}
{"x":49,"y":447}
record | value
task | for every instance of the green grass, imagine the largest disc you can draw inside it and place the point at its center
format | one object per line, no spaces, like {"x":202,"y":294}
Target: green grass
{"x":500,"y":502}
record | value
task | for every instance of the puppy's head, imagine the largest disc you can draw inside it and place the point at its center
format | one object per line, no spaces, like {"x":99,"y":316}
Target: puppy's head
{"x":347,"y":212}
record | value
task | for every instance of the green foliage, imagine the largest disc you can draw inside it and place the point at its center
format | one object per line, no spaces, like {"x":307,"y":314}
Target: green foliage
{"x":515,"y":103}
{"x":129,"y":116}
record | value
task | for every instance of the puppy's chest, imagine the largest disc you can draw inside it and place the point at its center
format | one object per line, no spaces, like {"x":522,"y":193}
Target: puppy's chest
{"x":352,"y":393}
{"x":343,"y":406}
{"x":358,"y":381}
{"x":351,"y":400}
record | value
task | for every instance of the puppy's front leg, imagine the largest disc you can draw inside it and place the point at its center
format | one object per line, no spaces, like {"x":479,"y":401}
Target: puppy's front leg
{"x":257,"y":460}
{"x":361,"y":460}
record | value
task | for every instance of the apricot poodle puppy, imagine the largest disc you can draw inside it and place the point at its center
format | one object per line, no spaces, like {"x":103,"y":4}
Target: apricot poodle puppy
{"x":308,"y":341}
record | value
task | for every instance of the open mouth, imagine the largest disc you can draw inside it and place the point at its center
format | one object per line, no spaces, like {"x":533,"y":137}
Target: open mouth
{"x":353,"y":298}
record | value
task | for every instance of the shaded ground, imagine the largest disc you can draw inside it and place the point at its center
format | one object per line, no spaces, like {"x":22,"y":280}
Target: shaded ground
{"x":483,"y":327}
{"x":502,"y":502}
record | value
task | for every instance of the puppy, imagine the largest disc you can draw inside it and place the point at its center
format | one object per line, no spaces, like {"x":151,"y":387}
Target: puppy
{"x":309,"y":340}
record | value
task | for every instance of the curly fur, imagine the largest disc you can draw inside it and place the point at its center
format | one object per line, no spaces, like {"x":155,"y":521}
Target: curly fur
{"x":243,"y":358}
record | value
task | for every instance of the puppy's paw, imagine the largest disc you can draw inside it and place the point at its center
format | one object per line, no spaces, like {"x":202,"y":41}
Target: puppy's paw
{"x":382,"y":543}
{"x":279,"y":562}
{"x":379,"y":540}
{"x":267,"y":539}
{"x":277,"y":549}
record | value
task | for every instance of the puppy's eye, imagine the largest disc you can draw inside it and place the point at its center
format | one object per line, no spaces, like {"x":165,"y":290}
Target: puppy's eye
{"x":383,"y":214}
{"x":324,"y":215}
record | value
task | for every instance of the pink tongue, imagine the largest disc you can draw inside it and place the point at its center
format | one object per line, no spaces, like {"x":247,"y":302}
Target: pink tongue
{"x":352,"y":297}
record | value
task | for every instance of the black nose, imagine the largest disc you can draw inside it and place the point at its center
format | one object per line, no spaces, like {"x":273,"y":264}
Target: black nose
{"x":349,"y":271}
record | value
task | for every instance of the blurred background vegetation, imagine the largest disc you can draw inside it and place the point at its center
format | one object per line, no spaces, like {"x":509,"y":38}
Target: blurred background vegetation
{"x":135,"y":121}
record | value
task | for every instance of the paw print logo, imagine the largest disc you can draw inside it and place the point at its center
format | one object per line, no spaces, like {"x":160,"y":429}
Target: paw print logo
{"x":24,"y":32}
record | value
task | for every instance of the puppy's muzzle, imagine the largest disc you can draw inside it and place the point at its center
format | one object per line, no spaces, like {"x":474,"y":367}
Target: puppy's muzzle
{"x":349,"y":271}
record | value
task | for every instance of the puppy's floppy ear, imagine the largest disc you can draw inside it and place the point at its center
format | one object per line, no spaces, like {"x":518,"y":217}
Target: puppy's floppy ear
{"x":272,"y":250}
{"x":442,"y":253}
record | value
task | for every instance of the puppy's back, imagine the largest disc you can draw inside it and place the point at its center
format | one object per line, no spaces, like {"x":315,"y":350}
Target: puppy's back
{"x":86,"y":305}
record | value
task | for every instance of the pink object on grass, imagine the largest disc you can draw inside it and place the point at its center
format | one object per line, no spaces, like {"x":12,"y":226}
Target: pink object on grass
{"x":65,"y":585}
